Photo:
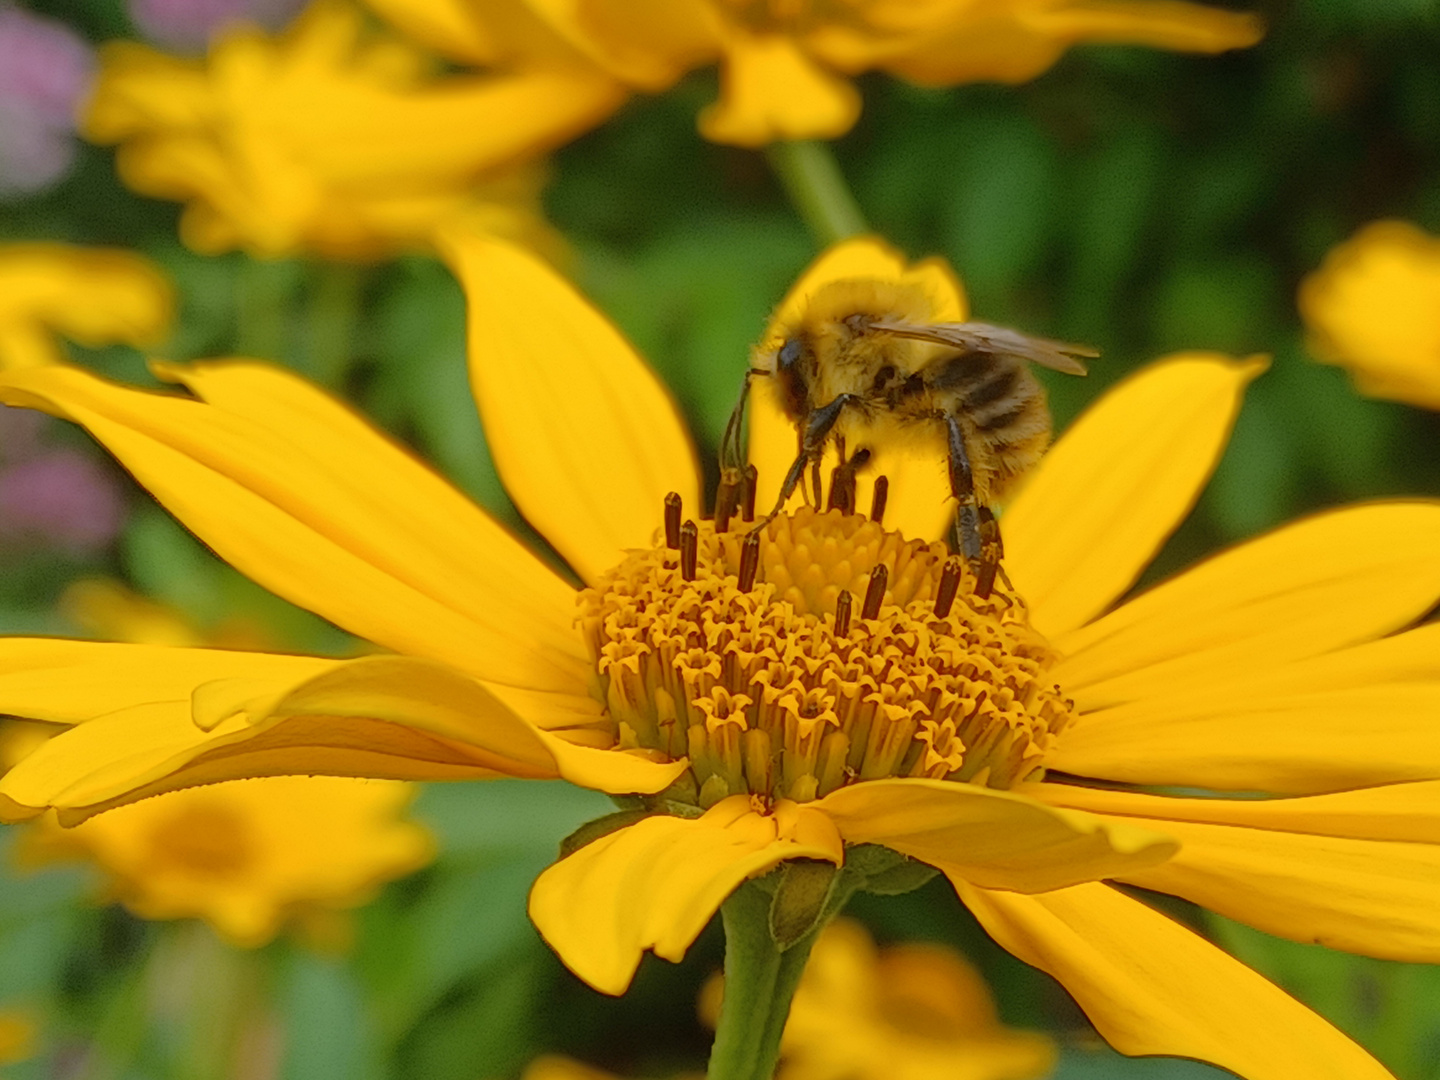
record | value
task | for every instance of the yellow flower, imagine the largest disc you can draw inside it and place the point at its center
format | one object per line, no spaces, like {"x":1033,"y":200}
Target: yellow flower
{"x":908,"y":1012}
{"x":785,"y":64}
{"x":95,"y":296}
{"x":1283,"y":666}
{"x":327,"y":140}
{"x":246,"y":855}
{"x":17,"y":1035}
{"x":1372,"y":309}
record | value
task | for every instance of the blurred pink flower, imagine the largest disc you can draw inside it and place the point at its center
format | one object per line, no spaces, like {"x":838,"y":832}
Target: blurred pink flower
{"x":45,"y":74}
{"x":187,"y":25}
{"x":59,"y":497}
{"x":20,"y":433}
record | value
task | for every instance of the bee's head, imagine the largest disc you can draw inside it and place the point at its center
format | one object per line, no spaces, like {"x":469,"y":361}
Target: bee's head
{"x":793,"y":361}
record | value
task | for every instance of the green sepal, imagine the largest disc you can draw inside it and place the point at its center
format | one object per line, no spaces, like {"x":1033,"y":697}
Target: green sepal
{"x":803,"y":890}
{"x":886,"y":872}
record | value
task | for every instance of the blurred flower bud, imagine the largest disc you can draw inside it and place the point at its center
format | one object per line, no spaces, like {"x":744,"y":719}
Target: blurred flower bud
{"x":188,"y":25}
{"x":45,"y":74}
{"x":62,"y":498}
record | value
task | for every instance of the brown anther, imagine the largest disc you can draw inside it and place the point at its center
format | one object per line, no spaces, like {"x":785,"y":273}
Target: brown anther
{"x":689,"y":549}
{"x":842,"y":613}
{"x":842,"y":490}
{"x":948,"y":587}
{"x":752,"y":479}
{"x":875,"y":591}
{"x":877,"y":500}
{"x":749,"y":561}
{"x":727,"y":499}
{"x":672,"y":521}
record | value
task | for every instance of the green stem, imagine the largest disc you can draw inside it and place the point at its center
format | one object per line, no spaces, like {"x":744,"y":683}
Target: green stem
{"x":336,"y":292}
{"x":761,"y":975}
{"x":261,"y":307}
{"x":812,"y":179}
{"x":760,"y":980}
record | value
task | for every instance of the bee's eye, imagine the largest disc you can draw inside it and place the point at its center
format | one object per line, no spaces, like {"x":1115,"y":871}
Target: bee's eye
{"x":789,"y":355}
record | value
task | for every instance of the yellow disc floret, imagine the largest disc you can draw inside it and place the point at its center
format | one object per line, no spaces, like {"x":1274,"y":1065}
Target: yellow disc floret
{"x":777,"y":680}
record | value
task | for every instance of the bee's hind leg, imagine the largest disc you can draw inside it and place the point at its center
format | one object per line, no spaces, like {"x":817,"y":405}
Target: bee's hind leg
{"x":976,"y":533}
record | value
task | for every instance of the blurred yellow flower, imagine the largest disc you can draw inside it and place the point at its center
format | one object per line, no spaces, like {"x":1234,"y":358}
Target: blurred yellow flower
{"x":1373,"y":308}
{"x":907,"y":1012}
{"x":245,"y":856}
{"x":332,"y":140}
{"x":17,"y":1035}
{"x":786,"y":64}
{"x":93,"y":296}
{"x":955,"y":737}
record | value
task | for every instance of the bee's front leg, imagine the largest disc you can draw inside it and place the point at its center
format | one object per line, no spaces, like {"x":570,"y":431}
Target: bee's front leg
{"x":813,"y":437}
{"x":976,"y":534}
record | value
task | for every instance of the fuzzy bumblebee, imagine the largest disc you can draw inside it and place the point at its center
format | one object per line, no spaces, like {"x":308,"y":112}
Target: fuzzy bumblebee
{"x":864,"y":365}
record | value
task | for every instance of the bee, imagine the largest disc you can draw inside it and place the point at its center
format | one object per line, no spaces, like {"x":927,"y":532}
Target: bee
{"x":865,"y":365}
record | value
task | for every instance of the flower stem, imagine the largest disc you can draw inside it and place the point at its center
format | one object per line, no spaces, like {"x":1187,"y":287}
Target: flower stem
{"x":812,"y":179}
{"x":761,"y":974}
{"x":336,"y":301}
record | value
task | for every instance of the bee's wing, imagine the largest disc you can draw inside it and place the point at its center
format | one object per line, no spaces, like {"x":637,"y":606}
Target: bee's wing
{"x":983,"y":337}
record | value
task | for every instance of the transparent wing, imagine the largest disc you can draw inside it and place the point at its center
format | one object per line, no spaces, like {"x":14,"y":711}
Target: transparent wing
{"x":983,"y":337}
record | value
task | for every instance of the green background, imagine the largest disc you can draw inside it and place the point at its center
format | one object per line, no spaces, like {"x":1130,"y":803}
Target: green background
{"x":1138,"y":201}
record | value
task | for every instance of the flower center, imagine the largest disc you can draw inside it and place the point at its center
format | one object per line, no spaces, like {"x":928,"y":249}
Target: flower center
{"x":819,"y":651}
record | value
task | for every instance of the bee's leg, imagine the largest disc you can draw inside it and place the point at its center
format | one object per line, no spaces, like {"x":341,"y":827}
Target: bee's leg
{"x":732,"y":455}
{"x":976,"y":533}
{"x":812,"y":445}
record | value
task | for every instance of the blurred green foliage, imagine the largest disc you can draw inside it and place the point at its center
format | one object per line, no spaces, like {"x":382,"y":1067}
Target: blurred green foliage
{"x":1139,"y":201}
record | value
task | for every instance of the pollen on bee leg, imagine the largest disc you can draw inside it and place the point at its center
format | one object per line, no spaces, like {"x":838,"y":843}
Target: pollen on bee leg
{"x":673,"y":508}
{"x":875,"y":592}
{"x":689,"y":549}
{"x":878,"y":498}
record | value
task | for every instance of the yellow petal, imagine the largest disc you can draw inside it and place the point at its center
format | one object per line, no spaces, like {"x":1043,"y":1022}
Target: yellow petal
{"x":1312,"y":587}
{"x":1298,"y":744}
{"x":453,"y":28}
{"x":919,"y":504}
{"x":68,"y":682}
{"x":771,"y":90}
{"x":647,"y":43}
{"x":655,"y":884}
{"x":1364,"y":896}
{"x":352,"y":529}
{"x":994,"y":838}
{"x":428,"y":697}
{"x":94,"y":296}
{"x":1019,"y":42}
{"x":586,"y":438}
{"x":383,"y":717}
{"x":1150,"y":986}
{"x":1408,"y":812}
{"x":1356,"y":870}
{"x":1370,"y":308}
{"x":1284,"y":729}
{"x":1116,"y":485}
